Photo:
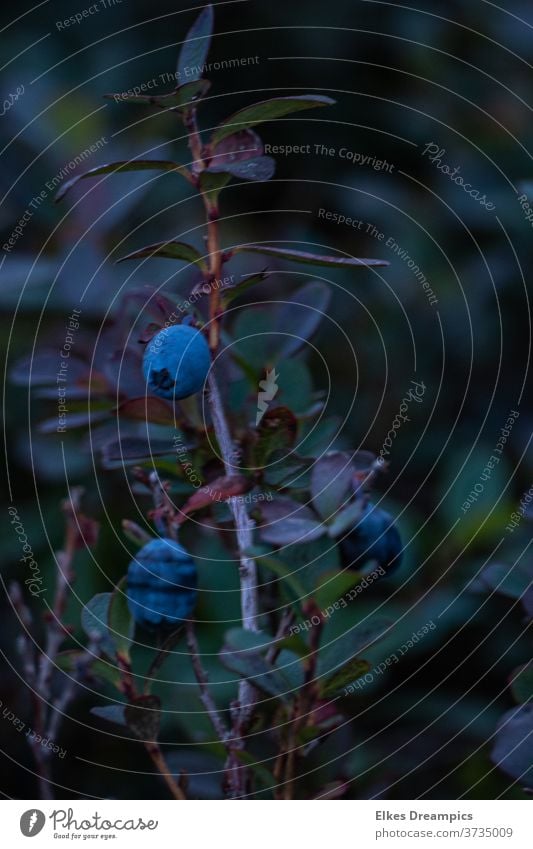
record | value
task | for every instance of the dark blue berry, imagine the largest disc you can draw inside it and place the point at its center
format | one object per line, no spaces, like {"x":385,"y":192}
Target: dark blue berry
{"x":375,"y":537}
{"x":176,"y":362}
{"x":161,"y":584}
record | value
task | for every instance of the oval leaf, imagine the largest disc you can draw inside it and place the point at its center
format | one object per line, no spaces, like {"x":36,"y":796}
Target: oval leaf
{"x":330,"y":480}
{"x":119,"y":620}
{"x":94,"y":618}
{"x":195,"y":48}
{"x":260,"y":169}
{"x":287,"y":521}
{"x":143,"y":717}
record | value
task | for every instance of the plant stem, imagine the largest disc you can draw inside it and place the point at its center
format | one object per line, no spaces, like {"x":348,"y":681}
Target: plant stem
{"x":203,"y":682}
{"x":161,"y":765}
{"x":243,"y":710}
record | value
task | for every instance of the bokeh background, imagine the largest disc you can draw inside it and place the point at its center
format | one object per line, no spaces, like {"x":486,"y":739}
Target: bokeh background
{"x":455,"y":75}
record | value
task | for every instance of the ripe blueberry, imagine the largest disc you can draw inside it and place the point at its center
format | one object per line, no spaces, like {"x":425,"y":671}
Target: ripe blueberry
{"x":375,"y":537}
{"x":161,"y":584}
{"x":176,"y":362}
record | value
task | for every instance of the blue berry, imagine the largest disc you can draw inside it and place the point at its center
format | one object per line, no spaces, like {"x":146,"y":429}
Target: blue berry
{"x":161,"y":584}
{"x":375,"y":537}
{"x":176,"y":362}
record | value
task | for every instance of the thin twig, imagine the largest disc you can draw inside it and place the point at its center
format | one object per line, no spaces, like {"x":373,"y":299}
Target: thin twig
{"x":206,"y":698}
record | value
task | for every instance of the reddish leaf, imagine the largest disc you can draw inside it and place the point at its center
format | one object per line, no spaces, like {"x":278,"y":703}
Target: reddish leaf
{"x":218,"y":490}
{"x":149,"y":409}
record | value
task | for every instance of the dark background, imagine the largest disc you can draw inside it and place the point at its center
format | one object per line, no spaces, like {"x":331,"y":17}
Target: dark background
{"x":453,"y":74}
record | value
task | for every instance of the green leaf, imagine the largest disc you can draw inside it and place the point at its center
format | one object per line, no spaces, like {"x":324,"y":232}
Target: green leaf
{"x":268,"y":110}
{"x":276,"y":431}
{"x":522,"y":683}
{"x":131,"y":449}
{"x":263,"y":775}
{"x":306,"y":257}
{"x":330,"y":482}
{"x":229,"y":293}
{"x":241,"y":640}
{"x":180,"y":99}
{"x":338,"y":651}
{"x":169,"y":250}
{"x":195,"y":48}
{"x":119,"y":619}
{"x":94,"y":620}
{"x":345,"y":519}
{"x":68,"y":662}
{"x":281,"y":570}
{"x":336,"y":683}
{"x":212,"y":183}
{"x":254,"y":667}
{"x":334,"y":586}
{"x":143,"y":717}
{"x":128,"y":165}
